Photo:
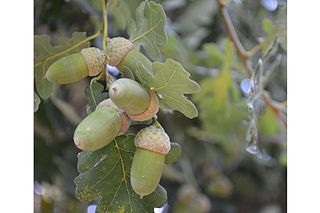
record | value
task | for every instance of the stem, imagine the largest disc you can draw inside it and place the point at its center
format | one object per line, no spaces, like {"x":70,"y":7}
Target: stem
{"x":231,"y":31}
{"x":246,"y":58}
{"x":156,"y":122}
{"x":104,"y":37}
{"x":274,"y":108}
{"x":105,"y":24}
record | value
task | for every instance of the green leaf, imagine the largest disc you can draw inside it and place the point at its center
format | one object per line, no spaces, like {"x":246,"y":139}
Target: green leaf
{"x":178,"y":50}
{"x":195,"y":15}
{"x":117,"y":7}
{"x":270,"y":33}
{"x":171,"y":81}
{"x":174,"y":153}
{"x":281,"y":23}
{"x":94,"y":94}
{"x":268,"y":123}
{"x":221,"y":109}
{"x":219,"y":86}
{"x":36,"y":102}
{"x":105,"y":174}
{"x":283,"y":159}
{"x":213,"y":52}
{"x":268,"y":27}
{"x":212,"y":55}
{"x":147,"y":29}
{"x":46,"y":54}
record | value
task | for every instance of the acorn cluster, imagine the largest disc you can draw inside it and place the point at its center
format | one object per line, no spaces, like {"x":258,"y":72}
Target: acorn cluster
{"x":129,"y":101}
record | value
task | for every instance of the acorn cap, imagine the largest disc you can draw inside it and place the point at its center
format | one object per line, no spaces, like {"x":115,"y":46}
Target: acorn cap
{"x":154,"y":139}
{"x":151,"y":111}
{"x":108,"y":103}
{"x":124,"y":118}
{"x":117,"y":49}
{"x":95,"y":60}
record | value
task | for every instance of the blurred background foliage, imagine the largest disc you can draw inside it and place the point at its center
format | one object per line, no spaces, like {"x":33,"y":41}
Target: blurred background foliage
{"x":217,"y":171}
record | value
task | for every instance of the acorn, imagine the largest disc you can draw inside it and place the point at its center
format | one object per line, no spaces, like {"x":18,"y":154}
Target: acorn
{"x":124,"y":118}
{"x":125,"y":57}
{"x":139,"y":103}
{"x":100,"y":127}
{"x":74,"y":67}
{"x":148,"y":162}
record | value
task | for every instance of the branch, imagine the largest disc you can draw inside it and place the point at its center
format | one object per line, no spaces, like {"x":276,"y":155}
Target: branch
{"x":232,"y":32}
{"x":246,"y":59}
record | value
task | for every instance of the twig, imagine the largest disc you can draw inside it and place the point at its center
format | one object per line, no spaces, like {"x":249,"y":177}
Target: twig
{"x":232,"y":32}
{"x":274,"y":108}
{"x":105,"y":36}
{"x":246,"y":59}
{"x":105,"y":23}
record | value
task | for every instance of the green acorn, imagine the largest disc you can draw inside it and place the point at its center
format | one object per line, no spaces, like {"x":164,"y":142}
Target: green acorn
{"x":124,"y":118}
{"x":72,"y":68}
{"x":99,"y":128}
{"x":139,"y":103}
{"x":126,"y":58}
{"x":152,"y":145}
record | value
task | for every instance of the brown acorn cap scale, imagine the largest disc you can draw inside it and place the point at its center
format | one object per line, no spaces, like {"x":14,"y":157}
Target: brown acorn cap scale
{"x":150,"y":112}
{"x":124,"y":118}
{"x":95,"y":60}
{"x":154,"y":139}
